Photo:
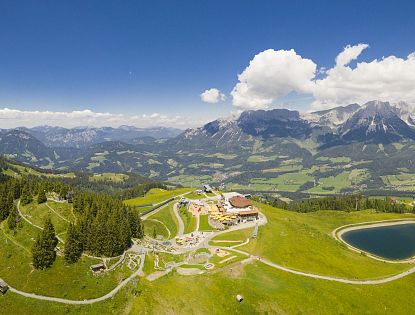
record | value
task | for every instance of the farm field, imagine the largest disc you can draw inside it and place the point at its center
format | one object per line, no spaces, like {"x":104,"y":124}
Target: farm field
{"x":113,"y":177}
{"x":402,"y":181}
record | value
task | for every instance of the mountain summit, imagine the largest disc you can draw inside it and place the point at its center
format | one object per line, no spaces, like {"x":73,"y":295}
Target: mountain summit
{"x":376,"y":122}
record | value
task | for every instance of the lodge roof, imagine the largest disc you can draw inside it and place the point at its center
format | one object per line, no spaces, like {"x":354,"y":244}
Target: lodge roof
{"x":240,"y":202}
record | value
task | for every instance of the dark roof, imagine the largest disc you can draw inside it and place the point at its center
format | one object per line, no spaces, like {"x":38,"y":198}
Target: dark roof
{"x":240,"y":202}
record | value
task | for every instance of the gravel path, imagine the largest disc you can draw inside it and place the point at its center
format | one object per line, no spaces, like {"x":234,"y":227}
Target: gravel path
{"x":180,"y":230}
{"x":78,"y":302}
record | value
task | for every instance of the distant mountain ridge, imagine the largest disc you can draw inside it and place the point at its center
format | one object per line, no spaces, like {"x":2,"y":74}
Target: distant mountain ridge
{"x":255,"y":148}
{"x":83,"y":137}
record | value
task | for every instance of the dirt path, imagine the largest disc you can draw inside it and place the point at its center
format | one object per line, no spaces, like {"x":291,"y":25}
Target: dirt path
{"x":165,"y":226}
{"x":328,"y":278}
{"x":180,"y":230}
{"x":197,"y":222}
{"x":78,"y":302}
{"x":58,"y":214}
{"x":31,"y":223}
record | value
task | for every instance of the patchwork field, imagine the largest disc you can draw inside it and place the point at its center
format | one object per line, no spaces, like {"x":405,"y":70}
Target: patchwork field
{"x":402,"y":181}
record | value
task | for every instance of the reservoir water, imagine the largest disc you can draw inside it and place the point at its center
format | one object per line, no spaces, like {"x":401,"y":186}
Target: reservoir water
{"x":393,"y":242}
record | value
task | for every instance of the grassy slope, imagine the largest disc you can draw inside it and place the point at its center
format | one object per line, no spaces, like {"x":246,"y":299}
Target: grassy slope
{"x":150,"y":226}
{"x":188,"y":219}
{"x":238,"y":235}
{"x":159,"y":196}
{"x":37,"y":214}
{"x":204,"y":224}
{"x":62,"y":280}
{"x":166,"y":216}
{"x":304,"y":242}
{"x":291,"y":239}
{"x":267,"y":290}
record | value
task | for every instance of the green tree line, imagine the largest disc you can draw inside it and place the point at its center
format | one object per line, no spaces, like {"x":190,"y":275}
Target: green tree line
{"x":344,"y":203}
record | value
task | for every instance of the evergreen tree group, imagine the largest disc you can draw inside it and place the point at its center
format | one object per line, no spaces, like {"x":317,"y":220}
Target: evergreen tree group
{"x":73,"y":245}
{"x":41,"y":195}
{"x":344,"y":203}
{"x":26,"y":196}
{"x":44,"y":248}
{"x":6,"y":203}
{"x":13,"y":218}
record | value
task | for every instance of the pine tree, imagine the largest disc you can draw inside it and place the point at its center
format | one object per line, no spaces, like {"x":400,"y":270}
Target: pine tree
{"x":136,"y":225}
{"x":13,"y":218}
{"x":3,"y":209}
{"x":73,"y":245}
{"x":25,"y":197}
{"x":6,"y":204}
{"x":43,"y":251}
{"x":41,"y":197}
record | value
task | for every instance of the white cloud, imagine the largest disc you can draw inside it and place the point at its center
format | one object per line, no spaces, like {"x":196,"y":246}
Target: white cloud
{"x":350,"y":53}
{"x":387,"y":79}
{"x":271,"y":75}
{"x":10,"y":118}
{"x":212,"y":96}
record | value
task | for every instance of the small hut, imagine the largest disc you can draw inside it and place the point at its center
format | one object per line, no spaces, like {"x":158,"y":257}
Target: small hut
{"x":3,"y":287}
{"x":69,"y":197}
{"x":207,"y":189}
{"x":97,"y":268}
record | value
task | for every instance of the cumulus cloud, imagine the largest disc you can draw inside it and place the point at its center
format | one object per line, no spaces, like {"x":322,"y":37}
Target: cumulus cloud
{"x":350,"y":53}
{"x":212,"y":96}
{"x":387,"y":79}
{"x":10,"y":118}
{"x":272,"y":75}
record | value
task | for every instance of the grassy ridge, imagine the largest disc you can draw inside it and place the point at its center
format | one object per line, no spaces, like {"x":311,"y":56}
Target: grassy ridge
{"x":157,"y":196}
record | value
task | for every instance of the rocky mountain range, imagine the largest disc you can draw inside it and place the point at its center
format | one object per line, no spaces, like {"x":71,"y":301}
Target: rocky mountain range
{"x":277,"y":149}
{"x":83,"y":137}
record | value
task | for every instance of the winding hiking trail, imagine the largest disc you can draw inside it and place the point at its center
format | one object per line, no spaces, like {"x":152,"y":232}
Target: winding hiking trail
{"x":31,"y":223}
{"x":328,"y":278}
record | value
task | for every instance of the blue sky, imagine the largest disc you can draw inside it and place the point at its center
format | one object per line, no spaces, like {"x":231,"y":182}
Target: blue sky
{"x":142,"y":57}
